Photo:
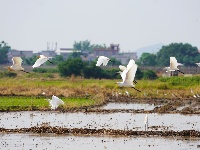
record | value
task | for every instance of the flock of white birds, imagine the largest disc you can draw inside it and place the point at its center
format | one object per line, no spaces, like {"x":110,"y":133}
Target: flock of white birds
{"x":127,"y":73}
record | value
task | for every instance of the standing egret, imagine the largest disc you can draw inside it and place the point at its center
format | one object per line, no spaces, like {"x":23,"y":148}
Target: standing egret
{"x":128,"y":75}
{"x":41,"y":59}
{"x":55,"y":102}
{"x":146,"y":122}
{"x":17,"y":62}
{"x":198,"y":64}
{"x":173,"y":65}
{"x":102,"y":60}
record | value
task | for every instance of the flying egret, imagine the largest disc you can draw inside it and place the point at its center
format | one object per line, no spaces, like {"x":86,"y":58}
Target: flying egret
{"x":122,"y":68}
{"x":128,"y":75}
{"x":55,"y":102}
{"x":146,"y":122}
{"x":41,"y":59}
{"x":17,"y":62}
{"x":198,"y":64}
{"x":102,"y":60}
{"x":173,"y":65}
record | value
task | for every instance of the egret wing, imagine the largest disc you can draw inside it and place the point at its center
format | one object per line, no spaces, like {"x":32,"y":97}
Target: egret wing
{"x":102,"y":60}
{"x":125,"y":75}
{"x":17,"y":61}
{"x":105,"y":62}
{"x":57,"y":100}
{"x":173,"y":63}
{"x":39,"y":62}
{"x":131,"y":73}
{"x":122,"y":68}
{"x":198,"y":64}
{"x":42,"y":56}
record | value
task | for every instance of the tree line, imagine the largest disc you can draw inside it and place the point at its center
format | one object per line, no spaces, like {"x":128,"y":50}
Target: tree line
{"x":184,"y":53}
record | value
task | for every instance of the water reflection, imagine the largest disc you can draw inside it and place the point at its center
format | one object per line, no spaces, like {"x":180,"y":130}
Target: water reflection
{"x":176,"y":122}
{"x":52,"y":141}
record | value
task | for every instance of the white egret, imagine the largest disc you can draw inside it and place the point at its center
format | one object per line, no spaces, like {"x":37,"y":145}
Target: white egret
{"x":17,"y":62}
{"x":128,"y":75}
{"x":146,"y":122}
{"x":127,"y":93}
{"x":173,"y":65}
{"x":102,"y":60}
{"x":55,"y":102}
{"x":198,"y":64}
{"x":41,"y":59}
{"x":122,"y":68}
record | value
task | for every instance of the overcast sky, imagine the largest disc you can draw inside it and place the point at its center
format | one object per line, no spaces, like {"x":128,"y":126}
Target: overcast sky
{"x":29,"y":24}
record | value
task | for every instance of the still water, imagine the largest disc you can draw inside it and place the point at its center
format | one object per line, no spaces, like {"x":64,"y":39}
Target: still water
{"x":52,"y":141}
{"x":176,"y":122}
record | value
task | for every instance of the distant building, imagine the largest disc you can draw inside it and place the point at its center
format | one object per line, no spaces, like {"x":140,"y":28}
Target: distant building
{"x":48,"y":53}
{"x":113,"y":51}
{"x":66,"y":52}
{"x":108,"y":52}
{"x":19,"y":53}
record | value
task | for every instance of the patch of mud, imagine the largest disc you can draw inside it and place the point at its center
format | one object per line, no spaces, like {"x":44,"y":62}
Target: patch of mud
{"x":86,"y":131}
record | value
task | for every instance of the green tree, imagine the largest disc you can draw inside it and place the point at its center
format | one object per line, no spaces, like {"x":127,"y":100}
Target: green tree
{"x":57,"y":59}
{"x":75,"y":55}
{"x":71,"y":66}
{"x":149,"y":74}
{"x":30,"y":60}
{"x":184,"y":53}
{"x":139,"y":74}
{"x":147,"y":59}
{"x":4,"y":48}
{"x":86,"y":45}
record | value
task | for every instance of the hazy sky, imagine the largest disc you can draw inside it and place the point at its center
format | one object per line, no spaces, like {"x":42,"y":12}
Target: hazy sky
{"x":29,"y":24}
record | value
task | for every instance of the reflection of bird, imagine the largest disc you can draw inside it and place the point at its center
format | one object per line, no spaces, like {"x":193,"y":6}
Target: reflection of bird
{"x":128,"y":75}
{"x":102,"y":60}
{"x":41,"y":59}
{"x":146,"y":122}
{"x":173,"y":65}
{"x":17,"y":62}
{"x":55,"y":102}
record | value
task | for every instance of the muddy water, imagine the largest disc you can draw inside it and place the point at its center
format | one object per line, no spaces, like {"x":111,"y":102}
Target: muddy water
{"x":176,"y":122}
{"x":51,"y":141}
{"x":128,"y":106}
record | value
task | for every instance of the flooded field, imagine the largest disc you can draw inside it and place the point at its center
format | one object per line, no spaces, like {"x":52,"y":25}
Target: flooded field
{"x":121,"y":121}
{"x":115,"y":130}
{"x":52,"y":141}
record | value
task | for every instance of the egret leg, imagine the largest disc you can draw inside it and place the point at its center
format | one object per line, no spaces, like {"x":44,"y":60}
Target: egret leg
{"x":136,"y":89}
{"x":25,"y":71}
{"x":135,"y":81}
{"x":50,"y":61}
{"x":180,"y":71}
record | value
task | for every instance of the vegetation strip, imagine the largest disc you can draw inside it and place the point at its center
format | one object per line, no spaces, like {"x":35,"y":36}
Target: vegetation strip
{"x":86,"y":131}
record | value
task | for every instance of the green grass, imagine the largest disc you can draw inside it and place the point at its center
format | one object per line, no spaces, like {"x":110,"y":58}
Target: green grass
{"x":39,"y":103}
{"x":25,"y":91}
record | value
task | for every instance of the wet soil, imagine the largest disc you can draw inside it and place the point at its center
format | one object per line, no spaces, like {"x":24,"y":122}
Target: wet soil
{"x":86,"y":131}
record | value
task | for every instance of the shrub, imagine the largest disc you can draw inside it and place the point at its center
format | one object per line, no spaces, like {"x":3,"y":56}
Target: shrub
{"x":8,"y":74}
{"x":149,"y":74}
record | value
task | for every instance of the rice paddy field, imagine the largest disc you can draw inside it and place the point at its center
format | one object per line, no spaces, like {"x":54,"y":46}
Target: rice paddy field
{"x":28,"y":90}
{"x":99,"y":114}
